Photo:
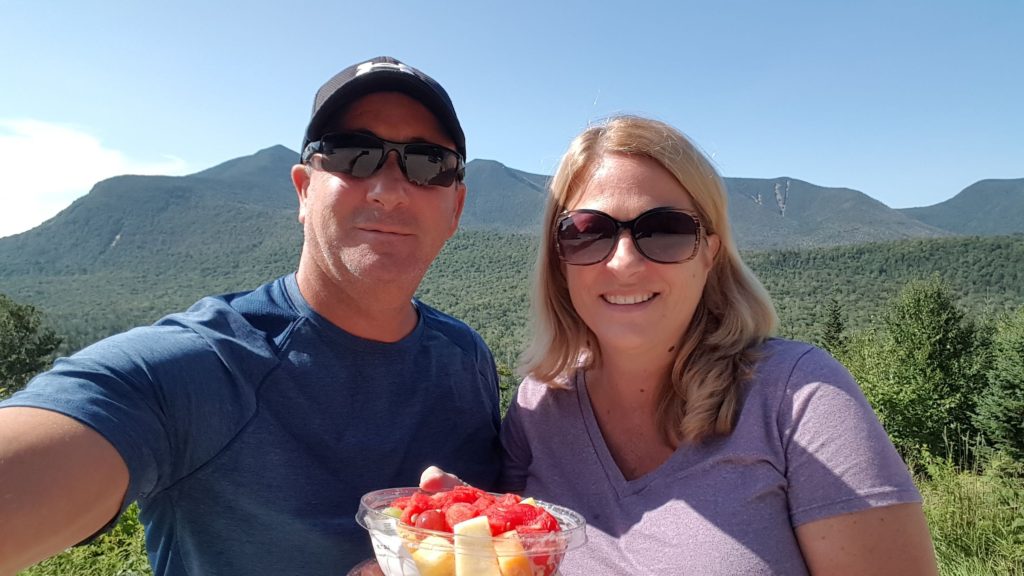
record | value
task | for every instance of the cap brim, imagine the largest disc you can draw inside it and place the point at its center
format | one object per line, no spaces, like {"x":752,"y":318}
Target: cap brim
{"x":385,"y":81}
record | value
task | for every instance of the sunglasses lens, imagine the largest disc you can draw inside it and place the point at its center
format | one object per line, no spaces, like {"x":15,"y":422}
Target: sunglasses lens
{"x":355,"y":154}
{"x":430,"y":165}
{"x":585,"y":237}
{"x":361,"y":155}
{"x":359,"y":162}
{"x":666,"y":236}
{"x":661,"y":235}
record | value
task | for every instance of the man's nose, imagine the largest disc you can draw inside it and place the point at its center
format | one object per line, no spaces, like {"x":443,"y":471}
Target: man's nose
{"x":388,"y":186}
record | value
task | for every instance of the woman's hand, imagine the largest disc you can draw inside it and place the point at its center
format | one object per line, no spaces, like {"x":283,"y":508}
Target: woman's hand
{"x":434,"y":479}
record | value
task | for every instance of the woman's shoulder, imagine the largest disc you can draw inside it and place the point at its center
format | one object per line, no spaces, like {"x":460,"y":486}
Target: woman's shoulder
{"x":783,"y":347}
{"x":536,"y":394}
{"x":783,"y":365}
{"x":781,"y":354}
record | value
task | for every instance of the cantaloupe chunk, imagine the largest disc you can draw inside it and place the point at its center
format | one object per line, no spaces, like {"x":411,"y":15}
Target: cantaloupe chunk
{"x":474,"y":553}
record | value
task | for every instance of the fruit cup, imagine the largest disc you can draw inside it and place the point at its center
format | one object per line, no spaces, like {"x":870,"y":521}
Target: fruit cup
{"x":404,"y":550}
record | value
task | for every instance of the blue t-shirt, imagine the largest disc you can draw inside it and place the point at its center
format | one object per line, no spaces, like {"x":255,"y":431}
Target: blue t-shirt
{"x":251,"y":426}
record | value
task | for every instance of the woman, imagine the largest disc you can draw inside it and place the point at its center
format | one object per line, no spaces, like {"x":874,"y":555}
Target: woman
{"x":657,"y":405}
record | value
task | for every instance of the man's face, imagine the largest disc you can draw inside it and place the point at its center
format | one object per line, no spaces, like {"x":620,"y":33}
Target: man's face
{"x":377,"y":235}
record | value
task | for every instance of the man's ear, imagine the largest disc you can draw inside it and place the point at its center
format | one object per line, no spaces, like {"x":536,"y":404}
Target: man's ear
{"x":300,"y":179}
{"x":460,"y":203}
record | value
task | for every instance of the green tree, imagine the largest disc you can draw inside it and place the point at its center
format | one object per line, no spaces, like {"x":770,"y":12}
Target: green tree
{"x":119,"y":552}
{"x":507,"y":385}
{"x":1000,"y":413}
{"x":833,"y":336}
{"x":26,"y":347}
{"x":920,"y":371}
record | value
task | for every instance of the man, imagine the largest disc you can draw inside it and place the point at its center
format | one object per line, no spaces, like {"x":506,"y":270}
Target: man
{"x":248,"y":427}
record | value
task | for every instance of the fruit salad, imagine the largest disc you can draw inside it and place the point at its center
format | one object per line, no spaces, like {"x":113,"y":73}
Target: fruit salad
{"x":466,"y":531}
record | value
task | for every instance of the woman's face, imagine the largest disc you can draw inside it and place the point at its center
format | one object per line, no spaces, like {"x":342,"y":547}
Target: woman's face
{"x":630,"y":303}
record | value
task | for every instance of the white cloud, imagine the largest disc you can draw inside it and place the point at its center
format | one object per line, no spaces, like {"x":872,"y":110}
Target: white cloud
{"x":46,"y":166}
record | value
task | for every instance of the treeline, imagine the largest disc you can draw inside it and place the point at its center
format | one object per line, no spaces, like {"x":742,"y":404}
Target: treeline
{"x":985,"y":275}
{"x":483,"y":278}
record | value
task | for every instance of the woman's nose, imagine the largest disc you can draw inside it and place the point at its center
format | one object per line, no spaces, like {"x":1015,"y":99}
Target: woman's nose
{"x":625,"y":257}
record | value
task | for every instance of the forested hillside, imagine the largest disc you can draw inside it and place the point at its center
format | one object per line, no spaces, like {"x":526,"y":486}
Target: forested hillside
{"x":483,"y":276}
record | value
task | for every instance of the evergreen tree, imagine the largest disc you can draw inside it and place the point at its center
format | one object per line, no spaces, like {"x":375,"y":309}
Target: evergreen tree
{"x":25,"y":345}
{"x":1000,"y":414}
{"x":920,"y":371}
{"x":833,"y":336}
{"x":507,"y":386}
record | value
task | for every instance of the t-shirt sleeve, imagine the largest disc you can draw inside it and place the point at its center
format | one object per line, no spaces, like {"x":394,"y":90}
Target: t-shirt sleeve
{"x":161,"y":395}
{"x":489,"y":372}
{"x":839,"y":459}
{"x":515,"y":449}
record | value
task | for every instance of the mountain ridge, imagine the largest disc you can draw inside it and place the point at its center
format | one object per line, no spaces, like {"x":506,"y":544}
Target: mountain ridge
{"x":137,"y":247}
{"x":993,"y":204}
{"x":248,"y":203}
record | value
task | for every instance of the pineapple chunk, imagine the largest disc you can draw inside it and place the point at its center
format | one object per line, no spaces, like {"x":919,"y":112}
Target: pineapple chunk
{"x":529,"y":501}
{"x":512,"y":558}
{"x":474,"y":553}
{"x":434,"y":557}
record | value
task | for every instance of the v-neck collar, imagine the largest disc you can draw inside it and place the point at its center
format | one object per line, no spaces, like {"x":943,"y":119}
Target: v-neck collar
{"x":623,"y":488}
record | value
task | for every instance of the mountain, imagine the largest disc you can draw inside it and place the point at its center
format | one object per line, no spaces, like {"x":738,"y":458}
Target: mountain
{"x":501,"y":198}
{"x":791,"y":213}
{"x":244,"y":210}
{"x":236,"y":209}
{"x":765,"y":214}
{"x":985,"y":208}
{"x":137,"y":247}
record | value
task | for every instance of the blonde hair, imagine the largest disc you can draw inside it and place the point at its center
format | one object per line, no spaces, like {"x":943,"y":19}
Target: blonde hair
{"x":735,"y":314}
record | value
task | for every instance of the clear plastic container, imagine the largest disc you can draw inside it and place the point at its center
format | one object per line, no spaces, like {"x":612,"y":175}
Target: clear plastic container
{"x":403,"y":550}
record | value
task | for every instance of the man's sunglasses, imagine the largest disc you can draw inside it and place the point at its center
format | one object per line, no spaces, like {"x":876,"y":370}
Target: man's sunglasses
{"x":663,"y":235}
{"x":361,"y":155}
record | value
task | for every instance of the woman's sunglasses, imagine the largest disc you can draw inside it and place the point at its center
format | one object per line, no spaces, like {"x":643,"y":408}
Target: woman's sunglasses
{"x":663,"y":235}
{"x":361,"y":155}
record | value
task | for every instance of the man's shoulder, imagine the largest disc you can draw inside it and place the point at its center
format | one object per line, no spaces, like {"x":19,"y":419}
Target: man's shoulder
{"x":451,"y":328}
{"x":265,"y":312}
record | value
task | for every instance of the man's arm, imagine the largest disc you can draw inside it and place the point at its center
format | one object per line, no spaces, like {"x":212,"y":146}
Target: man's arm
{"x":887,"y":540}
{"x":60,"y":482}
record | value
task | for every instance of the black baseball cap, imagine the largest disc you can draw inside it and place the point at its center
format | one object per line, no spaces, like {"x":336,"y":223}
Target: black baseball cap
{"x":382,"y":74}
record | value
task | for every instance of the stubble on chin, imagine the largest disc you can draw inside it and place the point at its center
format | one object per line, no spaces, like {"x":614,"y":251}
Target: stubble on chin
{"x":384,"y":269}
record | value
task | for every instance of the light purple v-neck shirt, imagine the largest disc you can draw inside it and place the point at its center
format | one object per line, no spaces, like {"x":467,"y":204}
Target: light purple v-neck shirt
{"x":806,"y":446}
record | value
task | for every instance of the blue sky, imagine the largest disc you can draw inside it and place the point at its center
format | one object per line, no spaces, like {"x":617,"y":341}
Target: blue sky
{"x":906,"y":101}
